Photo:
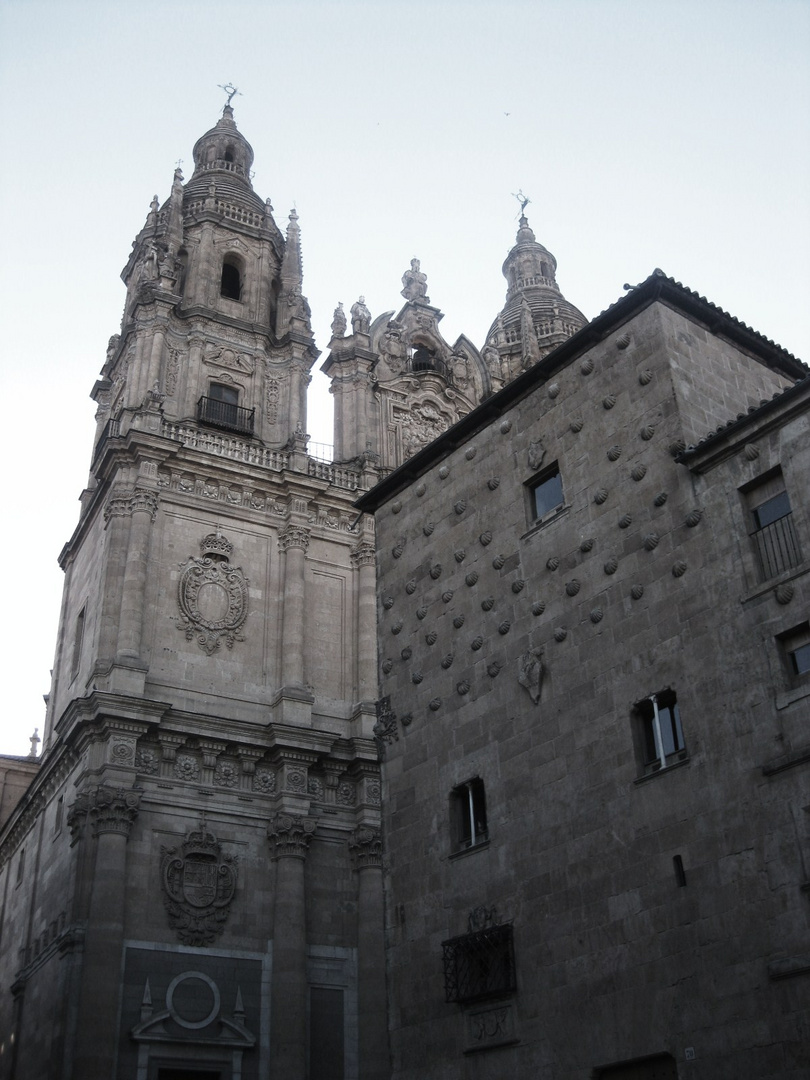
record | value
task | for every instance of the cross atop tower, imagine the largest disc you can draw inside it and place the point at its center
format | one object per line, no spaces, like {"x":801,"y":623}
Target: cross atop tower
{"x":230,"y":90}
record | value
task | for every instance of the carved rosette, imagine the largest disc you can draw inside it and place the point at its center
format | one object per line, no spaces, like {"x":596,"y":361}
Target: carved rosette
{"x":362,"y":555}
{"x":290,"y":834}
{"x":293,"y":536}
{"x":108,"y":809}
{"x":199,"y":883}
{"x":213,"y":597}
{"x":365,"y":848}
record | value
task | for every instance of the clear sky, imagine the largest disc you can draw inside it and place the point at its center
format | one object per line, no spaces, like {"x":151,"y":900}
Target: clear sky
{"x":672,"y":135}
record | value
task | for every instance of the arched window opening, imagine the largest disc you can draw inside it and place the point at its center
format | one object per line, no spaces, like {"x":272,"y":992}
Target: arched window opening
{"x":221,"y":408}
{"x":231,"y":283}
{"x":229,"y":154}
{"x":423,"y":359}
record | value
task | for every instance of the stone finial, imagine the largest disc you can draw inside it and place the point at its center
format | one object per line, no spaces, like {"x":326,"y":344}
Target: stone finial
{"x":35,"y":741}
{"x":339,"y":322}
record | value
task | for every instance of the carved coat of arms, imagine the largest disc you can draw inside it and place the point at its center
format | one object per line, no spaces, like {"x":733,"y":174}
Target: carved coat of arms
{"x":213,"y":596}
{"x":198,"y":883}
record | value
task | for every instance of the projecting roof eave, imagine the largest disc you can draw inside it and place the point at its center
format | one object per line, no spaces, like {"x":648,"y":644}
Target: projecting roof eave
{"x":656,"y":288}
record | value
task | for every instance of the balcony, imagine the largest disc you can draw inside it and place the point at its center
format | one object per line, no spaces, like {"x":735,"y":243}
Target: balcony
{"x":777,"y":547}
{"x":225,"y":415}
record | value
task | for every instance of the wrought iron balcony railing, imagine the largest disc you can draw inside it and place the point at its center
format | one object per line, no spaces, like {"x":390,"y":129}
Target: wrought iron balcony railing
{"x":479,"y":965}
{"x":223,"y":414}
{"x":777,"y":547}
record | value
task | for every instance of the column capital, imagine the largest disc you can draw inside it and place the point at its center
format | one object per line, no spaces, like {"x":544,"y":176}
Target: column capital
{"x":365,"y":848}
{"x":109,"y":810}
{"x":144,"y":500}
{"x":363,"y":554}
{"x":290,"y":835}
{"x":293,"y":536}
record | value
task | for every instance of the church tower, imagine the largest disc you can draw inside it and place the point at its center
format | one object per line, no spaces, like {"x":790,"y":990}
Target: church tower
{"x":193,"y":880}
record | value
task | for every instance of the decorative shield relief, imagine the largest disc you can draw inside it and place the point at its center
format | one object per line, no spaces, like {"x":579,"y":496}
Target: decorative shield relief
{"x":213,"y":596}
{"x":198,"y":886}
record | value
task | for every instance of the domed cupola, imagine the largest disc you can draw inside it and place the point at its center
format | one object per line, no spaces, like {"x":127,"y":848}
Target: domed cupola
{"x":223,"y":159}
{"x":536,"y":317}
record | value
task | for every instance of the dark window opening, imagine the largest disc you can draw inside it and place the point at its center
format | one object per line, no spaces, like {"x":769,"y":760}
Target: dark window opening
{"x":231,"y":283}
{"x":546,"y":493}
{"x":423,"y":359}
{"x":479,"y":965}
{"x":221,"y":409}
{"x":800,"y":659}
{"x":189,"y":1074}
{"x":78,"y":639}
{"x":229,"y":154}
{"x":680,"y":873}
{"x":773,"y":535}
{"x":661,"y":732}
{"x":326,"y":1042}
{"x":658,"y":1067}
{"x":795,"y":646}
{"x":468,"y":815}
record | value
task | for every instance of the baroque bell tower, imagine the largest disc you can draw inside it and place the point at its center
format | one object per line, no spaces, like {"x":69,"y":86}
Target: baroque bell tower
{"x":205,"y":822}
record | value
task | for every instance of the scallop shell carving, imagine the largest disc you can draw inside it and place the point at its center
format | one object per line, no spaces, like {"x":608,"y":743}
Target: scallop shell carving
{"x":395,"y":629}
{"x":554,"y":390}
{"x":586,"y":367}
{"x":693,"y":518}
{"x":614,"y":453}
{"x":506,"y":427}
{"x":660,"y":498}
{"x":428,"y":529}
{"x":677,"y":447}
{"x":460,"y":555}
{"x":388,"y":602}
{"x":493,"y":482}
{"x":560,"y":634}
{"x":421,"y":613}
{"x":751,"y":451}
{"x":463,"y":687}
{"x":448,"y":660}
{"x":458,"y":622}
{"x":623,"y":341}
{"x":639,"y":472}
{"x":572,"y":587}
{"x":577,"y":424}
{"x":498,"y":561}
{"x":431,"y":638}
{"x":436,"y":571}
{"x":609,"y":401}
{"x":651,"y":541}
{"x":538,"y":607}
{"x":611,"y":566}
{"x":447,"y":596}
{"x":600,"y":495}
{"x":784,"y":593}
{"x":679,"y":568}
{"x":505,"y":627}
{"x":645,"y":377}
{"x":387,"y":665}
{"x":420,"y":490}
{"x":470,"y":453}
{"x":406,"y":720}
{"x":647,"y":432}
{"x":396,"y":507}
{"x":444,"y":472}
{"x":485,"y":538}
{"x":460,"y":506}
{"x":488,"y":604}
{"x":597,"y":615}
{"x":587,"y":544}
{"x":410,"y":588}
{"x":416,"y":677}
{"x":493,"y":669}
{"x":406,"y":653}
{"x":625,"y":521}
{"x":397,"y":550}
{"x":476,"y":643}
{"x":552,"y":563}
{"x":435,"y":704}
{"x":472,"y":577}
{"x":637,"y":592}
{"x":518,"y":586}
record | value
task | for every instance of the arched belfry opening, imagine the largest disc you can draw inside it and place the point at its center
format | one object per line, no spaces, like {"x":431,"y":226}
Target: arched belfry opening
{"x":231,"y":281}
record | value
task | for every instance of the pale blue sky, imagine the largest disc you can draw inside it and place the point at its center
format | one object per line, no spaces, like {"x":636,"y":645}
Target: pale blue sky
{"x":646,"y":134}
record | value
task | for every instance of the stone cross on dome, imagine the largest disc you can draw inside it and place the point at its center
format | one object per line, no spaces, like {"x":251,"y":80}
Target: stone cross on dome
{"x":231,"y":91}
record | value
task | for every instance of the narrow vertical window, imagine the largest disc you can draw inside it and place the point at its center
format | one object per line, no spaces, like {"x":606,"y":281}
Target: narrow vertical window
{"x":660,"y":732}
{"x":231,"y":280}
{"x":78,"y":639}
{"x":468,"y":814}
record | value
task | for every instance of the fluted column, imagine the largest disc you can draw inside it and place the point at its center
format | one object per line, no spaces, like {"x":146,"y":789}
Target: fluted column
{"x":143,"y":506}
{"x":366,"y":851}
{"x":293,"y":541}
{"x":289,"y":836}
{"x":363,"y":561}
{"x":116,"y":513}
{"x":111,"y":813}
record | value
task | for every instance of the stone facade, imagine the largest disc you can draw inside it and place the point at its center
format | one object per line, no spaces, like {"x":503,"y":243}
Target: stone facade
{"x":594,"y":712}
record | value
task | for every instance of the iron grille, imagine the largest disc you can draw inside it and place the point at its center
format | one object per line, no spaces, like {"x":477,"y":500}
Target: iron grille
{"x":224,"y":414}
{"x":479,"y":965}
{"x":777,"y":547}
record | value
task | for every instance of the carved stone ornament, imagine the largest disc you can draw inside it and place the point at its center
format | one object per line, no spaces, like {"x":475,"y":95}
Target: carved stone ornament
{"x":536,"y":454}
{"x":213,"y":596}
{"x":109,"y":810}
{"x":530,"y":673}
{"x":365,"y":847}
{"x":290,"y":835}
{"x":199,"y":883}
{"x":385,"y":728}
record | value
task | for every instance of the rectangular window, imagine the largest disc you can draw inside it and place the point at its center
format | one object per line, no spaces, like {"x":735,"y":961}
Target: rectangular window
{"x":661,"y":734}
{"x":21,"y":866}
{"x":468,"y":814}
{"x":795,"y":646}
{"x":773,"y":535}
{"x":479,"y":965}
{"x":546,"y":493}
{"x":78,"y":639}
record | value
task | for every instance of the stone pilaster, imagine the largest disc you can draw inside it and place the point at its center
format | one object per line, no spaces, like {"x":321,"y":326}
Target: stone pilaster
{"x":143,"y":507}
{"x":363,"y":561}
{"x":365,"y":847}
{"x":293,"y":542}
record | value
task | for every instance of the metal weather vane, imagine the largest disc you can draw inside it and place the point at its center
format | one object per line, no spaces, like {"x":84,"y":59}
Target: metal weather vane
{"x":524,"y":200}
{"x":230,"y":90}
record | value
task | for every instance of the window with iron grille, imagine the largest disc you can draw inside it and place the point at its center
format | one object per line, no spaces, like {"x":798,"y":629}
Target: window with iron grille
{"x":479,"y":965}
{"x":773,"y":534}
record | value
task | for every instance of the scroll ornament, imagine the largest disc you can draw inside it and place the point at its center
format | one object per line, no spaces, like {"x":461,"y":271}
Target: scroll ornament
{"x":213,"y":596}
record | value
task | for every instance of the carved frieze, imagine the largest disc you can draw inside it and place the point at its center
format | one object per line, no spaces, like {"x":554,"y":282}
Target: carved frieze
{"x":213,"y":596}
{"x":199,"y":883}
{"x":229,"y":358}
